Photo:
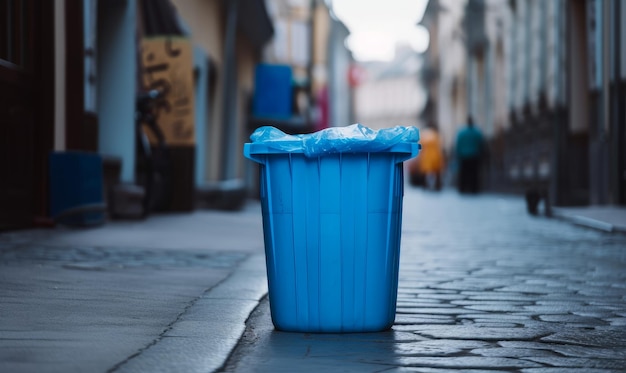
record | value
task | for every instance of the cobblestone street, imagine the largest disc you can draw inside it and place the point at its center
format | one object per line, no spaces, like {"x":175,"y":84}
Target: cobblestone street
{"x":483,"y":287}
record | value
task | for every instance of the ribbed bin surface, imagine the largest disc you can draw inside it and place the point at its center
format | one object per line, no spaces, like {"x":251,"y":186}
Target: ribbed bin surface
{"x":332,"y":238}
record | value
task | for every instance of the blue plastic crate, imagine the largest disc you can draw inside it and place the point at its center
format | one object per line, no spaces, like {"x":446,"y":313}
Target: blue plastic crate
{"x":76,"y":188}
{"x":272,"y":91}
{"x":332,"y":237}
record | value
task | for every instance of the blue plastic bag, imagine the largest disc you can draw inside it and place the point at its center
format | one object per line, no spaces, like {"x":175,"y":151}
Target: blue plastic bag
{"x":354,"y":138}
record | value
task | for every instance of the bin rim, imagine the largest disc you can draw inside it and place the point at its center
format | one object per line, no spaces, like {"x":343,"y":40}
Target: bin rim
{"x":255,"y":151}
{"x":260,"y":149}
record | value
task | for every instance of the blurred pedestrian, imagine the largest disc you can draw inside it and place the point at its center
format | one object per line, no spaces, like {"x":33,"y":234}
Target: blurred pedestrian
{"x":430,"y":161}
{"x":470,"y":148}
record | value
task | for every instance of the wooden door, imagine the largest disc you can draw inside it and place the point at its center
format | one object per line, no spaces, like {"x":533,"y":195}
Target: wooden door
{"x":25,"y":121}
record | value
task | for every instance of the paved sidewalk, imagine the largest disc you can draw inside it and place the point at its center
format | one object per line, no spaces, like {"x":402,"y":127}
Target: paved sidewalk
{"x":169,"y":294}
{"x":484,"y":287}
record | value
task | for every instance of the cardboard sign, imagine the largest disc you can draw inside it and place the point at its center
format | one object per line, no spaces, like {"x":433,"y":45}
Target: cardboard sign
{"x":167,"y":66}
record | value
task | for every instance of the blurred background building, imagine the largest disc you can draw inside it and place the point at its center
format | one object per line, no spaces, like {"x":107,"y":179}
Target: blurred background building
{"x":444,"y":73}
{"x":389,"y":93}
{"x":545,"y":81}
{"x":71,"y":72}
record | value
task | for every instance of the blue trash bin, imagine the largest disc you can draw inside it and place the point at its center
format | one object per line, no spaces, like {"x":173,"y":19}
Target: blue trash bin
{"x":332,"y":226}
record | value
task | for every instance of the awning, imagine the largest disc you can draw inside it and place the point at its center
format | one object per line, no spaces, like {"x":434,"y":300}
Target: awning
{"x":160,"y":18}
{"x":254,"y":22}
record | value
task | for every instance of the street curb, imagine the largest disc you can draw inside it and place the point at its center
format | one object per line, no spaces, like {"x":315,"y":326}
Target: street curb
{"x":247,"y":284}
{"x":586,"y":222}
{"x":204,"y":337}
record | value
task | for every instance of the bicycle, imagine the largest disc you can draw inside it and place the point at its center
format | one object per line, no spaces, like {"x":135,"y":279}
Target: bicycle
{"x":152,"y":166}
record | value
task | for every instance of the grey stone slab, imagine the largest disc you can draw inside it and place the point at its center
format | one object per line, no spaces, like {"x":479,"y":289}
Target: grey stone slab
{"x":534,"y":289}
{"x":516,"y":353}
{"x":599,"y":337}
{"x":550,"y":309}
{"x":550,"y":281}
{"x":408,"y":286}
{"x":573,"y":351}
{"x":616,"y":353}
{"x":499,"y":296}
{"x":473,"y":302}
{"x":564,"y":303}
{"x":419,"y":320}
{"x":617,"y":321}
{"x":492,"y":324}
{"x":441,"y":296}
{"x":603,"y":291}
{"x":504,"y":317}
{"x":421,"y":304}
{"x":474,"y":284}
{"x":467,"y":362}
{"x":404,"y":287}
{"x":434,"y":311}
{"x":486,"y":334}
{"x":501,"y":307}
{"x":573,"y":319}
{"x":617,"y":305}
{"x":595,"y":312}
{"x":537,"y":345}
{"x":570,"y":362}
{"x":439,"y":347}
{"x":410,"y":298}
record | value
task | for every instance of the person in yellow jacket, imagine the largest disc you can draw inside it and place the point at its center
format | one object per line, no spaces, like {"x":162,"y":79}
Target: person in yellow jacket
{"x":428,"y":167}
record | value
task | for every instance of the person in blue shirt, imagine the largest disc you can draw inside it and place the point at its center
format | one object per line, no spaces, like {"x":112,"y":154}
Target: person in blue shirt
{"x":470,"y":147}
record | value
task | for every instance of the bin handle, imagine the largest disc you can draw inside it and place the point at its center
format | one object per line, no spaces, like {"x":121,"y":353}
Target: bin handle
{"x":250,"y":156}
{"x":415,"y":148}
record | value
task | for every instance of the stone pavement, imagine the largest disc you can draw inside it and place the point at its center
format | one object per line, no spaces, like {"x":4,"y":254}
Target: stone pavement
{"x":167,"y":294}
{"x":483,"y":287}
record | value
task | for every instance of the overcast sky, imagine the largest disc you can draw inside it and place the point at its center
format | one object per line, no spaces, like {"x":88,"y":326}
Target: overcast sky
{"x":377,"y":25}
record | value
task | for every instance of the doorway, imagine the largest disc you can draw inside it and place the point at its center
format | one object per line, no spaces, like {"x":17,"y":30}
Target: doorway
{"x":26,"y":109}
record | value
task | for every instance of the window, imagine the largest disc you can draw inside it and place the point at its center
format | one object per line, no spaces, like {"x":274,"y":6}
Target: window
{"x":14,"y":32}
